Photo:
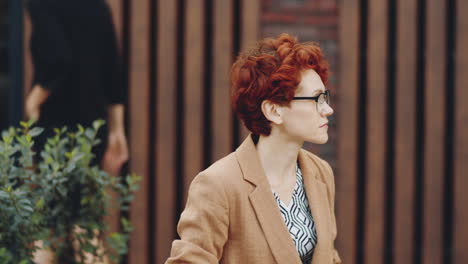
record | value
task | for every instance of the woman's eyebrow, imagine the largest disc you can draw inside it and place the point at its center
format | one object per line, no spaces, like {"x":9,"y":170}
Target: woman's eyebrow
{"x":321,"y":90}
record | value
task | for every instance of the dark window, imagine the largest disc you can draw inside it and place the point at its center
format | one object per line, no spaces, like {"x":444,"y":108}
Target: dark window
{"x":4,"y":65}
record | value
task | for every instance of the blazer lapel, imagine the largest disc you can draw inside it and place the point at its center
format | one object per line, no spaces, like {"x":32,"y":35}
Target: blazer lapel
{"x":316,"y":192}
{"x":265,"y":206}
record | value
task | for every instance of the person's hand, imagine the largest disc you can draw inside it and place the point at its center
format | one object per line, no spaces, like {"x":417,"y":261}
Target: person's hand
{"x":116,"y":153}
{"x":35,"y":99}
{"x":32,"y":111}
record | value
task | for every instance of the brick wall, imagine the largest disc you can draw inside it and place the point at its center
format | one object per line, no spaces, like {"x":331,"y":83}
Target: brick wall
{"x":309,"y":20}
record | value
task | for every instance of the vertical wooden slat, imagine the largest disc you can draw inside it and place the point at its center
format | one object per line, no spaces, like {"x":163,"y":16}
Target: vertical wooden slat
{"x":346,"y":177}
{"x":139,"y":77}
{"x":460,"y":236}
{"x":405,"y":129}
{"x":193,"y":91}
{"x":376,"y":131}
{"x":165,"y":165}
{"x":250,"y":23}
{"x":434,"y":130}
{"x":221,"y":114}
{"x":250,"y":33}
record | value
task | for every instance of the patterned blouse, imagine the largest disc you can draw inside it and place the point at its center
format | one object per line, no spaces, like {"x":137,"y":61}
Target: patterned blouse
{"x":298,"y":219}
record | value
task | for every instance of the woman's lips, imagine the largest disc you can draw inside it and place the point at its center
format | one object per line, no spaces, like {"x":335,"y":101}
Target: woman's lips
{"x":324,"y":125}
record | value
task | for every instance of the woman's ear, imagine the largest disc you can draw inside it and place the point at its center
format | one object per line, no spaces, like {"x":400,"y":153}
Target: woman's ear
{"x":272,"y":112}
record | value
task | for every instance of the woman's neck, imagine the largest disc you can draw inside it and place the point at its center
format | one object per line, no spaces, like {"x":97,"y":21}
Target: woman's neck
{"x":278,"y":156}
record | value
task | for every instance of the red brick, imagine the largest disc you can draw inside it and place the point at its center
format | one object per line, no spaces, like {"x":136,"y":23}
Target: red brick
{"x":321,"y":20}
{"x":322,"y":5}
{"x":278,"y":18}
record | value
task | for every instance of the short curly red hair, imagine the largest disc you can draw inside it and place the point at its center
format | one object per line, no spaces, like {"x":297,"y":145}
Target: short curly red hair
{"x":271,"y":71}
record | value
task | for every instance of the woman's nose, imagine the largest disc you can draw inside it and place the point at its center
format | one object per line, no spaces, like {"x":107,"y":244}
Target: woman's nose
{"x":327,"y":110}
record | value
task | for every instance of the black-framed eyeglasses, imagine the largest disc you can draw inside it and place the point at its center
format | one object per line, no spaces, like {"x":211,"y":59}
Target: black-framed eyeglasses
{"x":319,"y":99}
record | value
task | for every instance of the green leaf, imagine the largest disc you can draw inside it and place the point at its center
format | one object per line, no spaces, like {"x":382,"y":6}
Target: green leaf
{"x":98,"y":123}
{"x":70,"y":168}
{"x":62,"y":190}
{"x":28,"y":208}
{"x":89,"y":133}
{"x":21,"y":140}
{"x":4,"y":195}
{"x":40,"y":203}
{"x":7,"y":138}
{"x":36,"y":131}
{"x":31,"y":122}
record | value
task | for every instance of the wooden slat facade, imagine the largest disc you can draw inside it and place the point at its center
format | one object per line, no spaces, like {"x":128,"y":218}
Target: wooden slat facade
{"x":194,"y":96}
{"x":434,"y":132}
{"x":401,"y":151}
{"x":405,"y":133}
{"x":250,"y":28}
{"x":165,"y":147}
{"x":460,"y":148}
{"x":221,"y":114}
{"x":376,"y":131}
{"x":402,"y":126}
{"x":347,"y":172}
{"x":139,"y":124}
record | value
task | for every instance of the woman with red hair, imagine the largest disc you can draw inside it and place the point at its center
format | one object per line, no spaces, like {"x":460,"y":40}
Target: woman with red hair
{"x":270,"y":201}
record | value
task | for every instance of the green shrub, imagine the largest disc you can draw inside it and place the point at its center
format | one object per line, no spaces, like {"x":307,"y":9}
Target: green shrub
{"x":63,"y":190}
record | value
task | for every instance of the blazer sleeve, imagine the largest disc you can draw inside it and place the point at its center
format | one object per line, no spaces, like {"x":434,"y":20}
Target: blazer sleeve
{"x":50,"y":50}
{"x":203,"y":225}
{"x":331,"y":199}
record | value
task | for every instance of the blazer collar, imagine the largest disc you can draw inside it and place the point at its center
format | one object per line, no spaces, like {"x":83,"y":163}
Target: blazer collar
{"x":249,"y":162}
{"x":317,"y":195}
{"x":252,"y":170}
{"x":268,"y":213}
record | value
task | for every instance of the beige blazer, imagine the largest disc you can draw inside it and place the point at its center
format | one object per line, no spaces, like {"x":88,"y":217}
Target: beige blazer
{"x":232,"y":217}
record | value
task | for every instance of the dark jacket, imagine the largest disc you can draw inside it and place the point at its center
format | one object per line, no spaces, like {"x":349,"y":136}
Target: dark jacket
{"x":75,"y":56}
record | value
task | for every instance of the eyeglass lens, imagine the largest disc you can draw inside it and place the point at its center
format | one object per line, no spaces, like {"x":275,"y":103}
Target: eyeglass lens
{"x":322,"y":99}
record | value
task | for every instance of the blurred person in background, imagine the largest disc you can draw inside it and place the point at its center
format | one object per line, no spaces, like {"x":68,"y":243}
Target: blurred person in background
{"x":77,"y":78}
{"x":77,"y":74}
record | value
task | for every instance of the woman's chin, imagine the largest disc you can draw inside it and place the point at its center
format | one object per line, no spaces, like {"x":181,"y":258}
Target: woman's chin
{"x":318,"y":140}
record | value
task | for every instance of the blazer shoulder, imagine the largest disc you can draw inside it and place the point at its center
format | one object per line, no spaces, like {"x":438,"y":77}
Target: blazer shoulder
{"x":223,"y":171}
{"x":326,"y":172}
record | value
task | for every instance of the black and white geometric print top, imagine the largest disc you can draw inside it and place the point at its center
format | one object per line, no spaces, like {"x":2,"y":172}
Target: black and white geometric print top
{"x":299,"y":220}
